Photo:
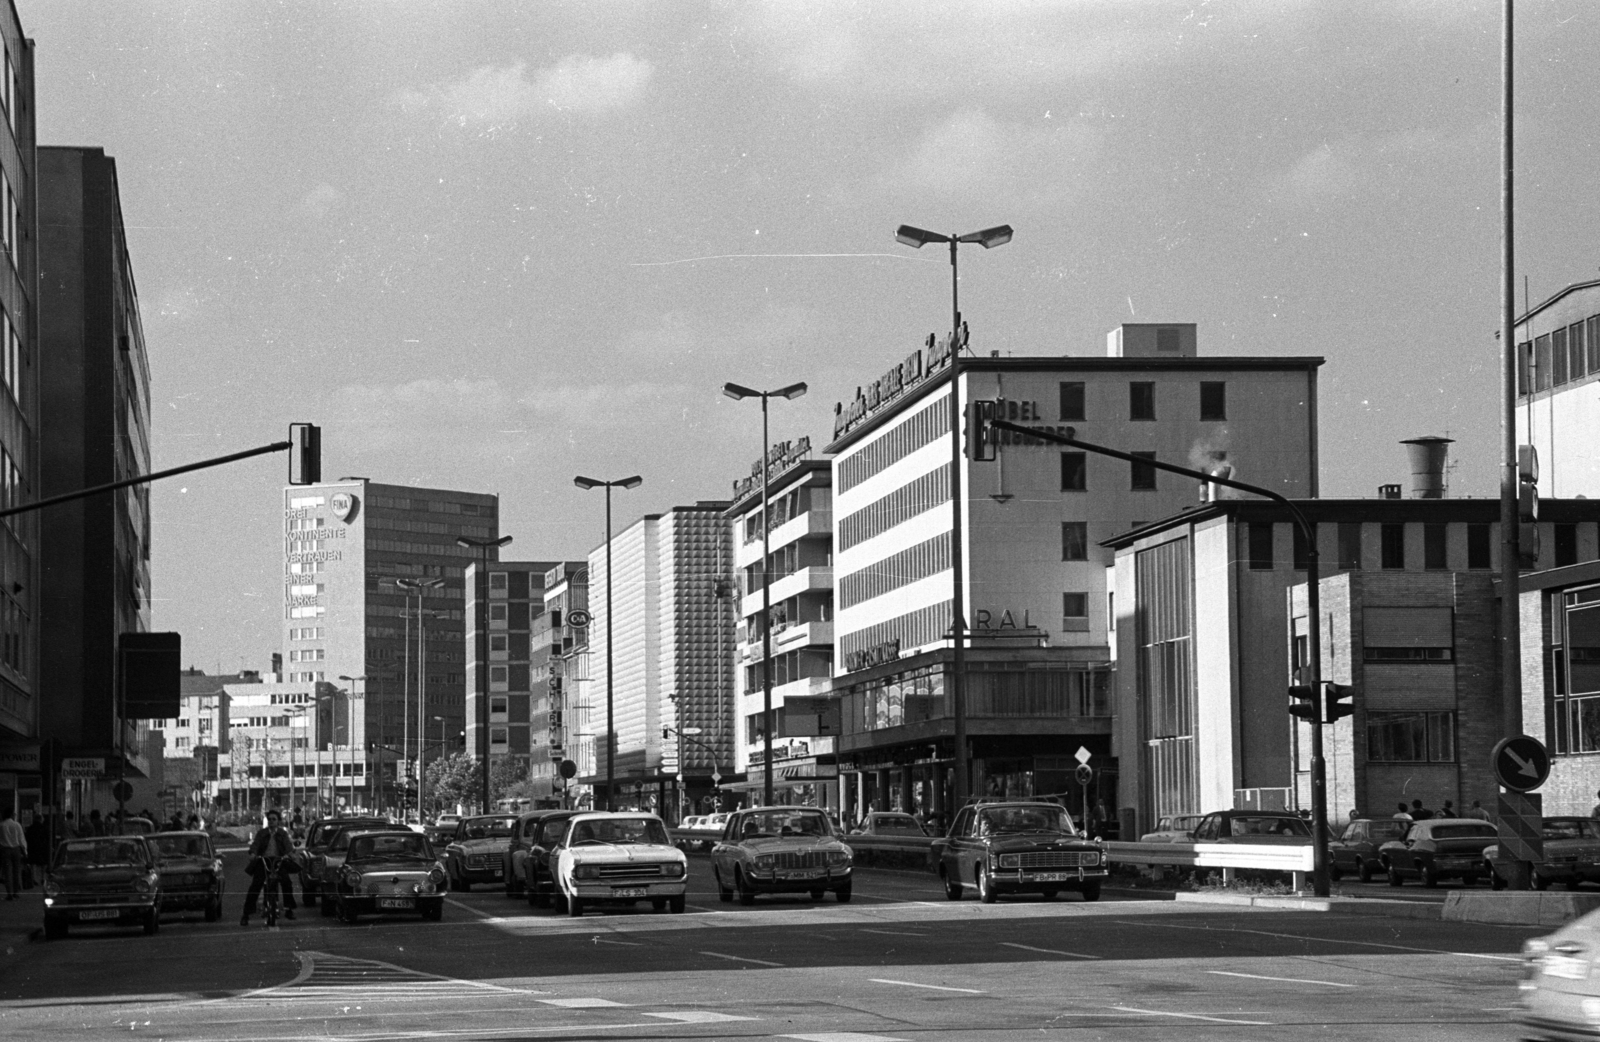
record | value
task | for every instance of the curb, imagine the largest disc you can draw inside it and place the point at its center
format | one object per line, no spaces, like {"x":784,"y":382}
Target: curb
{"x":1517,"y":908}
{"x":1334,"y":905}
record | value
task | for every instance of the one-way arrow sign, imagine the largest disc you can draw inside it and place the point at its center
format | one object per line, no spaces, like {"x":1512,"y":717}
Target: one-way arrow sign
{"x":1521,"y":763}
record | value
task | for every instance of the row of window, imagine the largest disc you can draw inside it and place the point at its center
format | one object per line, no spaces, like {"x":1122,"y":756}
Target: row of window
{"x":10,"y":221}
{"x":1261,"y":546}
{"x":14,"y":638}
{"x":395,"y":524}
{"x":923,"y":426}
{"x":305,"y":678}
{"x":930,"y":490}
{"x":11,"y":96}
{"x":11,"y":356}
{"x":1213,"y":402}
{"x":1411,"y":737}
{"x":432,"y":505}
{"x":308,"y":655}
{"x":1559,"y":357}
{"x":1075,"y":472}
{"x":305,"y":633}
{"x":785,"y":508}
{"x":928,"y":557}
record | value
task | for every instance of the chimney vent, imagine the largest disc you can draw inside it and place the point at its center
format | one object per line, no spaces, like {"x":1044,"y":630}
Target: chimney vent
{"x":1427,"y":466}
{"x":1388,"y":491}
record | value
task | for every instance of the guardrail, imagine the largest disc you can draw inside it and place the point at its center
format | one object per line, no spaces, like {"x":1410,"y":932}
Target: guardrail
{"x":1229,"y":857}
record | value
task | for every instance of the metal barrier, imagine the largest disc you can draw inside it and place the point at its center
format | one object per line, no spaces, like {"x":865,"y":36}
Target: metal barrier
{"x":1229,"y":857}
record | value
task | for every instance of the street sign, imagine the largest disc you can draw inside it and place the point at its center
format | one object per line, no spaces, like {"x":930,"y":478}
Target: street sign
{"x":1521,"y":763}
{"x":1085,"y":774}
{"x":716,"y":777}
{"x":122,"y":792}
{"x":579,"y":617}
{"x":568,"y":769}
{"x":83,"y":767}
{"x":1083,"y":755}
{"x":1521,"y":826}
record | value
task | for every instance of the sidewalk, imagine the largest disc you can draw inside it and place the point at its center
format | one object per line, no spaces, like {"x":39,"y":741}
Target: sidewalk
{"x":19,"y":919}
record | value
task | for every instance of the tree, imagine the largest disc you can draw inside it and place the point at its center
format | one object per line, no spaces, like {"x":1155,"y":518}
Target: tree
{"x":508,"y":779}
{"x":454,"y":779}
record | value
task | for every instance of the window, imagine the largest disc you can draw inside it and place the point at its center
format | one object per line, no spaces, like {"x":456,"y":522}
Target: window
{"x":497,"y":580}
{"x":1478,"y":556}
{"x":497,"y":642}
{"x":497,"y":705}
{"x":1141,"y":400}
{"x":1213,"y":400}
{"x":1593,"y":338}
{"x":1566,"y":544}
{"x":497,"y":674}
{"x":1074,"y":471}
{"x":1142,"y":476}
{"x":1072,"y":400}
{"x":1259,"y":537}
{"x":1074,"y":540}
{"x":1411,"y":737}
{"x":1393,"y":550}
{"x":1577,"y":364}
{"x":1541,"y":363}
{"x":1075,"y":611}
{"x":497,"y":613}
{"x":497,"y":736}
{"x":1558,"y":357}
{"x":1408,"y":654}
{"x":1434,"y":557}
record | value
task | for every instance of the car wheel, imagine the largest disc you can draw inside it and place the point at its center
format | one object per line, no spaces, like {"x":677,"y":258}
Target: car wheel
{"x":1495,"y":882}
{"x":575,"y":907}
{"x":1430,"y":877}
{"x":558,"y":900}
{"x":747,"y":896}
{"x":986,"y":892}
{"x":676,"y":905}
{"x":1049,"y":895}
{"x":724,"y":893}
{"x":952,"y":889}
{"x":1090,"y":891}
{"x":1363,"y":870}
{"x":1393,"y":873}
{"x":55,"y":928}
{"x":842,"y":895}
{"x":1540,"y":883}
{"x":816,"y":895}
{"x":152,"y":922}
{"x":329,"y":907}
{"x":658,"y":904}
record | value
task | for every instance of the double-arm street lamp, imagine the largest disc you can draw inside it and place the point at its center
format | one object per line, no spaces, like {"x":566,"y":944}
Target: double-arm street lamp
{"x":738,"y":393}
{"x":421,"y":587}
{"x":611,"y":680}
{"x":350,"y":726}
{"x":483,"y":546}
{"x":989,"y":238}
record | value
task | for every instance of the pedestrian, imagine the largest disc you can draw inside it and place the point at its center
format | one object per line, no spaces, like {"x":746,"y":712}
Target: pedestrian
{"x":38,"y":836}
{"x":271,"y":841}
{"x":1402,"y":814}
{"x":13,"y":847}
{"x":1596,"y":812}
{"x":1477,"y":811}
{"x":1448,"y":810}
{"x":194,"y":822}
{"x":1419,"y":812}
{"x":1354,"y":814}
{"x":97,"y":826}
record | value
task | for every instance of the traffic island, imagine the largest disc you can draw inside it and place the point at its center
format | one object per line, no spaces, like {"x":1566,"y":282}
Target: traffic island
{"x":1517,"y":907}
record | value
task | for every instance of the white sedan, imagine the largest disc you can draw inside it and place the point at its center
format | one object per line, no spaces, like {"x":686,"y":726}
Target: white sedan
{"x":612,"y":858}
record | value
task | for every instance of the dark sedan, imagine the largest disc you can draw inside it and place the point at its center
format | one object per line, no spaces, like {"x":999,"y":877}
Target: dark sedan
{"x":538,"y":879}
{"x":1019,"y":848}
{"x":104,"y":881}
{"x":1356,"y":848}
{"x":1439,"y":848}
{"x":191,"y":873}
{"x":477,"y":851}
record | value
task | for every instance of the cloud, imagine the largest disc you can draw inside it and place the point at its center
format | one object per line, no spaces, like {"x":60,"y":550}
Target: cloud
{"x":1386,"y":164}
{"x":499,"y":97}
{"x":972,"y":151}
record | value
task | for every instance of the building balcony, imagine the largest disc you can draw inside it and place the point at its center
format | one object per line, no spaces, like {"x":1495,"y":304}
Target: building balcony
{"x":810,"y":523}
{"x":789,"y":637}
{"x":818,"y":578}
{"x":793,"y":689}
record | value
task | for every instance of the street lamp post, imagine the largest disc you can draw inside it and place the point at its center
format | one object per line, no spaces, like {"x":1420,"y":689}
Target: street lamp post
{"x":989,"y":238}
{"x":611,"y":707}
{"x":421,"y":588}
{"x":483,"y":546}
{"x":294,"y":712}
{"x":738,"y":393}
{"x":351,"y":728}
{"x":423,"y":780}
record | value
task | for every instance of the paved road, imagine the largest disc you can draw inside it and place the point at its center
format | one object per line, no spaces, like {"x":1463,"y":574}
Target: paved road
{"x":899,"y":962}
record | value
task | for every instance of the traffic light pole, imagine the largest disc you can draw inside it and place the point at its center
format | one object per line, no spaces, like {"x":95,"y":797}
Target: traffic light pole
{"x":1319,"y":772}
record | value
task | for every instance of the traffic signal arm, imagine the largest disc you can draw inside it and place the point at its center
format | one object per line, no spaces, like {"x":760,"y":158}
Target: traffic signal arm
{"x":1303,"y":703}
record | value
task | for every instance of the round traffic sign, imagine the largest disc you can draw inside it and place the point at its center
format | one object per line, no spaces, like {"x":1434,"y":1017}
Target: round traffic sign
{"x":579,"y":617}
{"x":122,"y":791}
{"x":1085,"y":774}
{"x":1521,"y":763}
{"x":568,"y":769}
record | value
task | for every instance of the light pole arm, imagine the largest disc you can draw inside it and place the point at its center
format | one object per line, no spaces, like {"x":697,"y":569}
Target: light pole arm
{"x":84,"y":493}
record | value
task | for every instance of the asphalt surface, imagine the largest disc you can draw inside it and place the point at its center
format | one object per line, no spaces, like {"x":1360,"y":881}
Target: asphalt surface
{"x":899,"y":962}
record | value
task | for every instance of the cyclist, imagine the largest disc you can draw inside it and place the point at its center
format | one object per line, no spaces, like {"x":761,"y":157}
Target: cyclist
{"x":271,"y":847}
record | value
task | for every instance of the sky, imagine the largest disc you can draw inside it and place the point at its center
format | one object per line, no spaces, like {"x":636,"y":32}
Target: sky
{"x":489,"y":246}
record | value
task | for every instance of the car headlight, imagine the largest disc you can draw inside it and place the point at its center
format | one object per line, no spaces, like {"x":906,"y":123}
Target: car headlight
{"x":436,"y":877}
{"x":674,"y":869}
{"x":839,"y":857}
{"x":352,"y":877}
{"x":142,"y":884}
{"x":1092,"y":858}
{"x":1010,"y":860}
{"x":765,"y":862}
{"x":51,"y":889}
{"x":585,"y":871}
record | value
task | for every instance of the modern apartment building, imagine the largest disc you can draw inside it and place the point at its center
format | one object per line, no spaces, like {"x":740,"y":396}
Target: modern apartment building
{"x":374,"y":603}
{"x":1038,"y":670}
{"x":23,"y":782}
{"x":669,"y":666}
{"x":93,"y":428}
{"x":556,"y":670}
{"x":512,"y":598}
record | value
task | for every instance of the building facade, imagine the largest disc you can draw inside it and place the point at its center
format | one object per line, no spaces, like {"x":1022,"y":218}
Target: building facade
{"x":374,"y":603}
{"x":1038,"y":607}
{"x":1558,"y":344}
{"x":555,"y":641}
{"x":499,"y":629}
{"x":94,"y":428}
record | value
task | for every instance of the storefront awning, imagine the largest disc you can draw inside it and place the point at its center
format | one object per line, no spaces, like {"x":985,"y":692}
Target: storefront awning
{"x":786,"y":774}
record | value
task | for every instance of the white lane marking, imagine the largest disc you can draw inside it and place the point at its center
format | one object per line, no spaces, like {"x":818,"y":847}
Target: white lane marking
{"x":605,"y":940}
{"x":1286,"y":980}
{"x":1189,"y":1016}
{"x":843,"y":1036}
{"x":583,"y":1003}
{"x":469,"y":908}
{"x":931,"y":987}
{"x":737,"y":958}
{"x":1048,"y":951}
{"x":1328,"y":940}
{"x":699,"y":1016}
{"x":896,"y":933}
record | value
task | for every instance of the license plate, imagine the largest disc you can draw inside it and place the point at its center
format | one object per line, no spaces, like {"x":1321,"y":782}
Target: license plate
{"x":394,"y":902}
{"x":1049,"y":877}
{"x":98,"y":913}
{"x":630,"y":891}
{"x":799,"y":873}
{"x":1566,"y":968}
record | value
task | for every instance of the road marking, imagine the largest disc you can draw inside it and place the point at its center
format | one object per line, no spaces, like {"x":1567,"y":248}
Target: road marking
{"x":604,"y":940}
{"x":1328,"y":940}
{"x":342,"y":977}
{"x":1286,"y":980}
{"x":699,"y":1016}
{"x":931,"y":987}
{"x":738,"y":958}
{"x":1189,"y":1016}
{"x":584,"y":1003}
{"x":843,"y":1036}
{"x":469,"y":908}
{"x":1048,"y":951}
{"x":896,"y":933}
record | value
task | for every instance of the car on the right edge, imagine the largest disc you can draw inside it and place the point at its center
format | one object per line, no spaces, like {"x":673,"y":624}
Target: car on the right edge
{"x":1018,"y":847}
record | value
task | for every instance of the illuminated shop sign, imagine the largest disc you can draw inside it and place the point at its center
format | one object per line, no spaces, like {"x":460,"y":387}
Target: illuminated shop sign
{"x":917,"y":367}
{"x":876,"y":655}
{"x":782,"y":456}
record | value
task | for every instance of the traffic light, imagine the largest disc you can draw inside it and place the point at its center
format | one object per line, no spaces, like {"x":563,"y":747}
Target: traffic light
{"x":1303,"y":702}
{"x":1527,"y":506}
{"x":979,"y":448}
{"x":305,"y":454}
{"x":1338,"y":702}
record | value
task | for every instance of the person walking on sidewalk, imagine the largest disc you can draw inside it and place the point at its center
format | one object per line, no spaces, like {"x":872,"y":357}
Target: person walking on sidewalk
{"x":38,"y":836}
{"x":13,"y":845}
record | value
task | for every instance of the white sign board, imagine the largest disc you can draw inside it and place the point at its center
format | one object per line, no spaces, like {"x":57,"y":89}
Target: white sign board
{"x":1083,"y":755}
{"x":83,"y":767}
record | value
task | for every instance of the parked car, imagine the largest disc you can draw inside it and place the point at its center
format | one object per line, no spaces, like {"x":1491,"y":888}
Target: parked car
{"x":1274,"y":827}
{"x":190,"y":871}
{"x":1438,"y":848}
{"x":390,"y":871}
{"x":1561,"y":982}
{"x":476,"y":853}
{"x":1356,"y":848}
{"x":443,"y":829}
{"x":889,"y":823}
{"x":605,"y":858}
{"x":1571,"y":855}
{"x":338,"y":848}
{"x":1178,"y":828}
{"x":310,"y":855}
{"x":781,"y":850}
{"x":520,"y":846}
{"x":1018,"y":847}
{"x":104,"y":880}
{"x":538,"y":879}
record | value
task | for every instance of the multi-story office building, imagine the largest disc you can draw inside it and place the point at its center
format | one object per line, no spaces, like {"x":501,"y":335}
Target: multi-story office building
{"x":1559,"y":351}
{"x":289,"y":746}
{"x":1037,"y":603}
{"x":799,"y":536}
{"x":671,"y":658}
{"x":94,"y":428}
{"x":196,"y":740}
{"x":22,"y":784}
{"x":374,"y":592}
{"x":499,"y":628}
{"x":554,"y":642}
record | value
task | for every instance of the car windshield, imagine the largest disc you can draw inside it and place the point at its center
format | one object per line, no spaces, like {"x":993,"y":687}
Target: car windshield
{"x":897,"y":821}
{"x":1567,"y":828}
{"x":403,"y":845}
{"x":490,"y":828}
{"x":1465,"y":832}
{"x":89,"y":852}
{"x":1033,"y":818}
{"x":1251,"y":825}
{"x":619,"y":831}
{"x":182,"y":846}
{"x":553,"y":831}
{"x":785,"y":823}
{"x":1387,"y":829}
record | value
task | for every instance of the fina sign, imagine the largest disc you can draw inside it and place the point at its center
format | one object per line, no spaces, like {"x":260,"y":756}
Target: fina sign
{"x":345,"y":506}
